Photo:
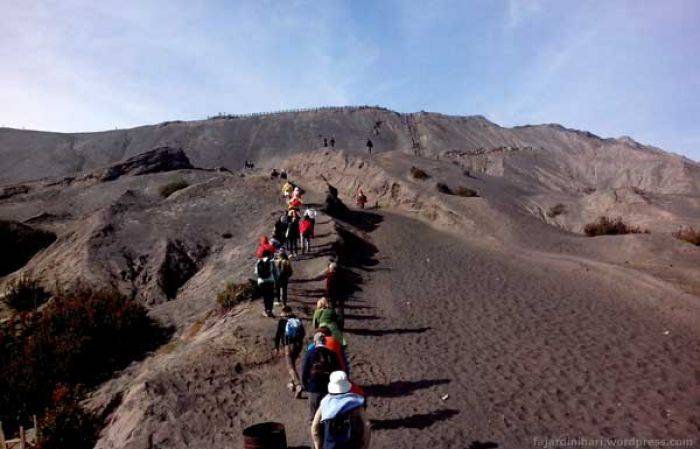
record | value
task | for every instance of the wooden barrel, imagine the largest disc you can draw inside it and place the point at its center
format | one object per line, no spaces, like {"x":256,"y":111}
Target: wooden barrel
{"x":266,"y":435}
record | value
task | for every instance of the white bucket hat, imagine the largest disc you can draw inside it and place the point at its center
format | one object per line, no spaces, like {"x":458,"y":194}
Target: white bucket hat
{"x":338,"y":383}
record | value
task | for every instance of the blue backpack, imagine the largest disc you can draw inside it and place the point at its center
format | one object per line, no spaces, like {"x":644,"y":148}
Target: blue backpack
{"x":293,"y":330}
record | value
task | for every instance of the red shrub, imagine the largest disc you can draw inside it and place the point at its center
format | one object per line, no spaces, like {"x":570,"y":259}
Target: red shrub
{"x":78,"y":338}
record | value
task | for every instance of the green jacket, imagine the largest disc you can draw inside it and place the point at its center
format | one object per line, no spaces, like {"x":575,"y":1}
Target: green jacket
{"x":324,"y":315}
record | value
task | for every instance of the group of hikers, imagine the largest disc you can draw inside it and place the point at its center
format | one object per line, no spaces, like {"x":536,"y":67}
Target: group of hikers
{"x":331,"y":141}
{"x":337,"y":415}
{"x":292,"y":233}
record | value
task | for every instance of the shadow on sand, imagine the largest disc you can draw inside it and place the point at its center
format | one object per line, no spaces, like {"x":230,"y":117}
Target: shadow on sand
{"x":380,"y":332}
{"x":418,"y":421}
{"x":401,"y":388}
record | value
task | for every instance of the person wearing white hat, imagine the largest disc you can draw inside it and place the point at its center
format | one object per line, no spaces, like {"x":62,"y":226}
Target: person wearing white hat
{"x":341,"y":421}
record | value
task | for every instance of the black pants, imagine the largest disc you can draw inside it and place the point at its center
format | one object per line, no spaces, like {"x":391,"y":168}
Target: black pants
{"x":314,"y":402}
{"x":267,"y":290}
{"x":293,"y":243}
{"x":281,"y":290}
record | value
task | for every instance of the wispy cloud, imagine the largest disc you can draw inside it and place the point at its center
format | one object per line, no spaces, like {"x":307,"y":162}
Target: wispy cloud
{"x":611,"y":67}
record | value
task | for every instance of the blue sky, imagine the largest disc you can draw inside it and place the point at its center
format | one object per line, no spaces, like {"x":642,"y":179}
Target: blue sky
{"x":611,"y":67}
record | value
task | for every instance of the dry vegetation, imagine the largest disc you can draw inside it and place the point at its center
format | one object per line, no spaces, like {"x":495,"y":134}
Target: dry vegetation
{"x":607,"y":226}
{"x":233,"y":294}
{"x":79,"y":338}
{"x":462,"y":191}
{"x":465,"y":192}
{"x":25,"y":294}
{"x":443,"y":188}
{"x":419,"y":173}
{"x":689,"y":235}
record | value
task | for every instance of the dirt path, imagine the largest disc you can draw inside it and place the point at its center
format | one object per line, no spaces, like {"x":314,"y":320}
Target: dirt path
{"x":266,"y":397}
{"x":460,"y":347}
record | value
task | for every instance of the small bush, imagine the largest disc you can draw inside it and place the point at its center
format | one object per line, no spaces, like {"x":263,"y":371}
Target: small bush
{"x":418,"y":173}
{"x":556,"y":210}
{"x":66,"y":424}
{"x":173,"y":187}
{"x":234,"y":294}
{"x":606,"y":226}
{"x":443,"y":188}
{"x":689,"y":234}
{"x":25,"y":294}
{"x":465,"y":192}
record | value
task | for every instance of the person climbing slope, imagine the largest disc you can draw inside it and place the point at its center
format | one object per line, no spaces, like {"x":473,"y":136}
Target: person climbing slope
{"x":295,"y":204}
{"x":265,"y":248}
{"x":335,"y":345}
{"x":267,"y":276}
{"x":284,"y":272}
{"x":318,"y":365}
{"x":290,"y":335}
{"x":292,"y":235}
{"x":287,"y":190}
{"x":341,"y":419}
{"x":306,"y":229}
{"x":370,"y":145}
{"x":360,"y":198}
{"x":324,"y":314}
{"x":311,"y":215}
{"x":332,"y":281}
{"x":280,"y":231}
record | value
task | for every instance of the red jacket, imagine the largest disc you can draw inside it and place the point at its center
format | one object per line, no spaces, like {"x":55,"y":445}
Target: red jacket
{"x":295,"y":204}
{"x":265,"y":248}
{"x":306,"y":227}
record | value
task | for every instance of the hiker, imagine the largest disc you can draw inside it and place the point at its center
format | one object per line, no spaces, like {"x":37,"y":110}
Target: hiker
{"x":283,"y":174}
{"x":287,"y":190}
{"x":274,"y":174}
{"x":332,"y":142}
{"x":318,"y":365}
{"x":280,"y":231}
{"x":332,"y":284}
{"x":306,"y":229}
{"x":267,"y":277}
{"x":341,"y":419}
{"x":335,"y":344}
{"x":293,"y":233}
{"x":294,"y":204}
{"x":290,"y":335}
{"x":265,"y":248}
{"x":324,"y":314}
{"x":284,"y":272}
{"x":370,"y":145}
{"x":325,"y":141}
{"x":311,"y":215}
{"x":360,"y":198}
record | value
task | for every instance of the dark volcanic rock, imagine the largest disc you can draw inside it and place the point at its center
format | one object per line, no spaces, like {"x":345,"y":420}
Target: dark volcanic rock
{"x":19,"y":243}
{"x":155,"y":161}
{"x":10,"y":191}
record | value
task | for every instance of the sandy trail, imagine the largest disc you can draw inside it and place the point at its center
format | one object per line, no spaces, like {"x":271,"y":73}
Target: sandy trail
{"x":462,"y":347}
